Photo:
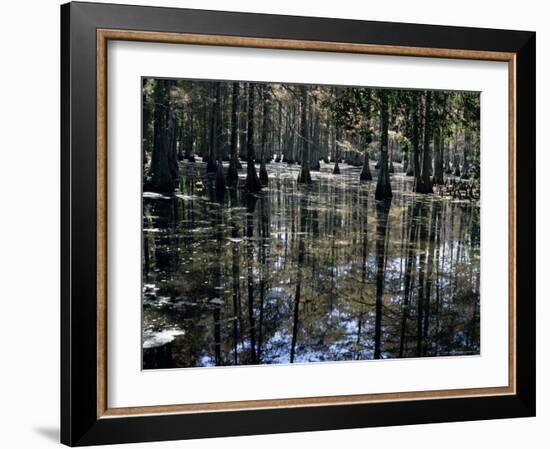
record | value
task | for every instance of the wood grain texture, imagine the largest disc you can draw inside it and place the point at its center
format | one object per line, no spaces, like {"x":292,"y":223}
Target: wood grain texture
{"x":289,"y":44}
{"x":101,"y":162}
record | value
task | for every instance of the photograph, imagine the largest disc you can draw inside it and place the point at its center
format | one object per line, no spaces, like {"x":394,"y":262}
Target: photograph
{"x":292,"y":223}
{"x":273,"y":222}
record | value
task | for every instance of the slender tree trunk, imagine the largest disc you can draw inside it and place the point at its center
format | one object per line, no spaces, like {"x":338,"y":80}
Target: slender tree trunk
{"x":252,"y":181}
{"x":189,"y":135}
{"x":146,"y":118}
{"x":211,"y":164}
{"x":415,"y":162}
{"x":163,"y":159}
{"x":304,"y":176}
{"x":280,"y":130}
{"x":232,"y":173}
{"x":264,"y":179}
{"x":316,"y":137}
{"x":438,"y":156}
{"x":383,"y":186}
{"x":456,"y":159}
{"x":424,"y":182}
{"x":467,"y":150}
{"x":216,"y":150}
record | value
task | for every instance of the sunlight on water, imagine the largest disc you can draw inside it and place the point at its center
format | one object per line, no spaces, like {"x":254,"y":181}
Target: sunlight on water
{"x":307,"y":273}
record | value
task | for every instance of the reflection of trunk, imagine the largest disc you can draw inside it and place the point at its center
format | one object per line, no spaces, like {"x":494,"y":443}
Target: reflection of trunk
{"x":421,"y":271}
{"x":408,"y":278}
{"x":304,"y":176}
{"x":264,"y":222}
{"x":295,"y":319}
{"x":365,"y":241}
{"x":217,"y":336}
{"x":250,"y":277}
{"x":217,"y":225}
{"x":439,"y":262}
{"x":252,"y":181}
{"x":237,"y":317}
{"x":145,"y":251}
{"x":232,"y":173}
{"x":382,"y":211}
{"x":383,"y":187}
{"x":297,"y":293}
{"x":430,"y":266}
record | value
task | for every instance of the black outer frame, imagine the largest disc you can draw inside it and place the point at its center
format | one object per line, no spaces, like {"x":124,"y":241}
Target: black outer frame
{"x":79,"y":423}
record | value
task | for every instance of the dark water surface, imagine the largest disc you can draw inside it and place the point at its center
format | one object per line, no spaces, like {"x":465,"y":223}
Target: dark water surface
{"x":306,"y":273}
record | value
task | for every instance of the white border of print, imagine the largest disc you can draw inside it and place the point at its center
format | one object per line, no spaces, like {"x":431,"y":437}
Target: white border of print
{"x":129,"y":386}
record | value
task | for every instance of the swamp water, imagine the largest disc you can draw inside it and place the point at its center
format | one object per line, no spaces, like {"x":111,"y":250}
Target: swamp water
{"x":306,"y":273}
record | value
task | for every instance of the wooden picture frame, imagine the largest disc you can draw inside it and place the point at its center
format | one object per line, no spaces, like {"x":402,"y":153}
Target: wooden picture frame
{"x":86,"y":29}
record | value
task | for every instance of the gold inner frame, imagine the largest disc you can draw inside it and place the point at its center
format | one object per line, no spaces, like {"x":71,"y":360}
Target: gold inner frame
{"x":104,"y":35}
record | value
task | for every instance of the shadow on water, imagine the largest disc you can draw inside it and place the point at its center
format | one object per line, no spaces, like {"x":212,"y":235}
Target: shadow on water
{"x":306,"y":273}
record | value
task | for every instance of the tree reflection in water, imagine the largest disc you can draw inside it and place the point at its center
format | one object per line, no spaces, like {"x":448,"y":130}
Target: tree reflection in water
{"x":306,"y":273}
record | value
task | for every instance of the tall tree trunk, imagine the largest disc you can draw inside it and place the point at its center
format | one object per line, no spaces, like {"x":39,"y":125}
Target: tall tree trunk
{"x":383,"y":186}
{"x":211,"y":165}
{"x":163,"y":158}
{"x":424,"y":182}
{"x":264,"y":179}
{"x":189,"y":135}
{"x":252,"y":181}
{"x":467,"y":150}
{"x":280,"y":131}
{"x":146,"y":118}
{"x":316,"y":131}
{"x":456,"y":157}
{"x":415,"y":160}
{"x":233,"y":173}
{"x":438,"y":155}
{"x":304,"y":176}
{"x":216,"y":150}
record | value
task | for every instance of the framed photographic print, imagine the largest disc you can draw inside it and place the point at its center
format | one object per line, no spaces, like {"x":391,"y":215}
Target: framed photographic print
{"x":278,"y":224}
